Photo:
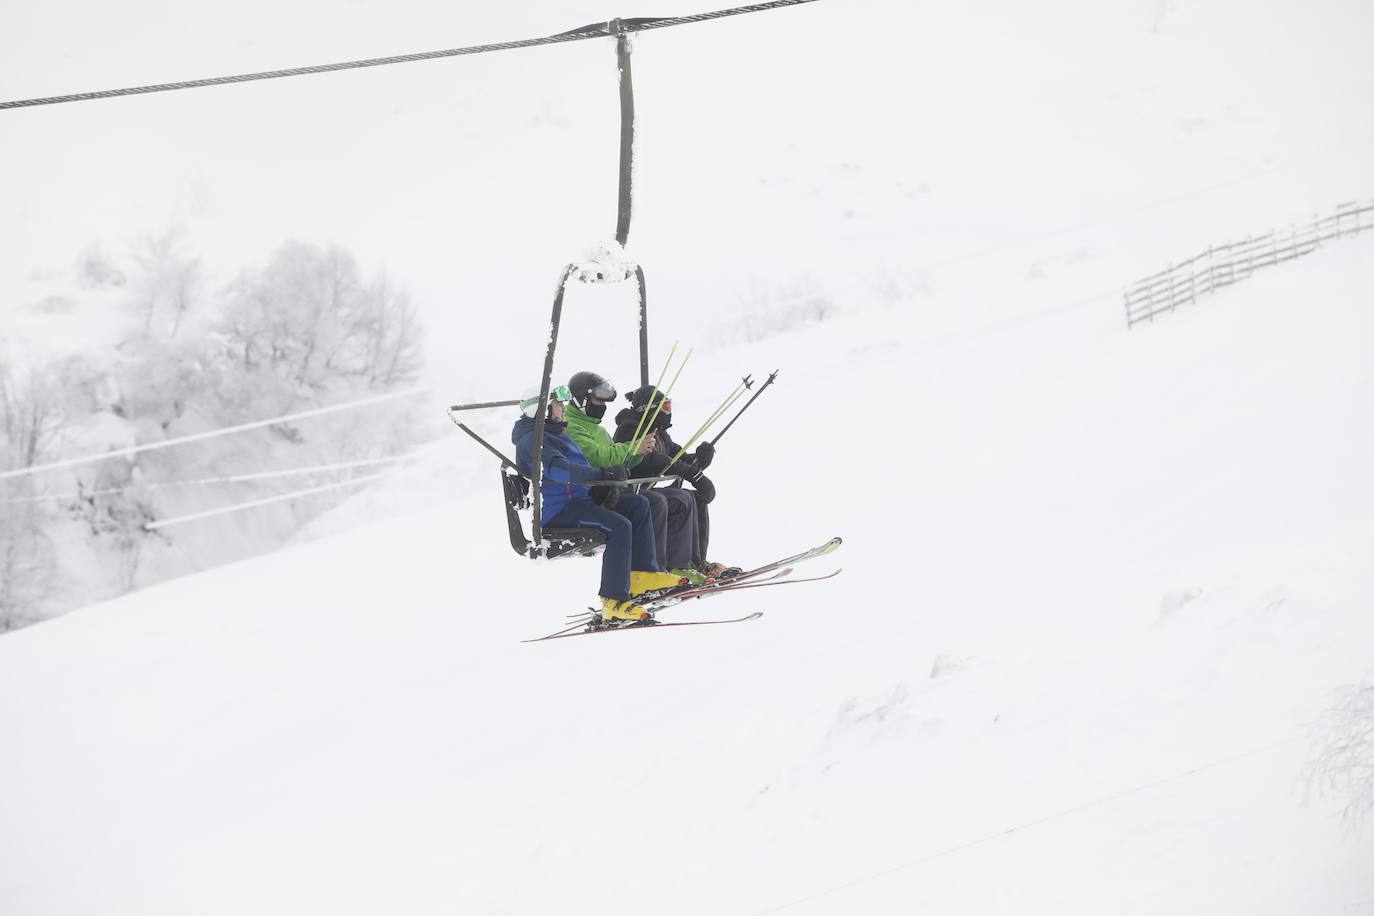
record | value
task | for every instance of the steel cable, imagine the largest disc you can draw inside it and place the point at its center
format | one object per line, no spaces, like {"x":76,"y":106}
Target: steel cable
{"x":597,"y":30}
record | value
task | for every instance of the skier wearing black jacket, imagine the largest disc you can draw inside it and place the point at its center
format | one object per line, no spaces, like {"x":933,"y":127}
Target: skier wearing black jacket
{"x":690,"y":466}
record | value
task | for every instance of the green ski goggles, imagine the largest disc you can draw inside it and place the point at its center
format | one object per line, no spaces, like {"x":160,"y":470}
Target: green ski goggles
{"x":560,"y":394}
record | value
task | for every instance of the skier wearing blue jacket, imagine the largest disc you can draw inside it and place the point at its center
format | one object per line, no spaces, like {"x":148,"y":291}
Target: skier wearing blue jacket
{"x":570,"y":498}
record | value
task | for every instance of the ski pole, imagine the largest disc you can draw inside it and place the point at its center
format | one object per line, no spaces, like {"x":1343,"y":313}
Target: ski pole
{"x":667,"y":395}
{"x":719,"y":412}
{"x":729,"y":402}
{"x":666,"y":363}
{"x":772,"y":375}
{"x":747,"y":382}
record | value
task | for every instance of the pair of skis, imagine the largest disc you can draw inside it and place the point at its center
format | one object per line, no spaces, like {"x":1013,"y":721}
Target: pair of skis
{"x":769,"y":574}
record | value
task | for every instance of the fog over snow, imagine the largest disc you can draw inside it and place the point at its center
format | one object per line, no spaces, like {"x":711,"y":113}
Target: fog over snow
{"x":1101,"y":588}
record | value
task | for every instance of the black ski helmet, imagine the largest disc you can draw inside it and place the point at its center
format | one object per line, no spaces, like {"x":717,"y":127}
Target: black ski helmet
{"x":647,"y":397}
{"x":588,"y":384}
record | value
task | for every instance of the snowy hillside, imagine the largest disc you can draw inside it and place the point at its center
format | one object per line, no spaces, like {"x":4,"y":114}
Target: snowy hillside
{"x":351,"y":726}
{"x":1098,"y":585}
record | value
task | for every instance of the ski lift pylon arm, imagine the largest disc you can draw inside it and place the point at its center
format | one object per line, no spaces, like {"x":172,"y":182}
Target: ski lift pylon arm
{"x":536,"y":466}
{"x":505,"y":462}
{"x":483,"y":405}
{"x":627,"y":132}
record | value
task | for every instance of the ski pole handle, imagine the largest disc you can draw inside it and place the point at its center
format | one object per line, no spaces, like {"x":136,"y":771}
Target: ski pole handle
{"x":773,"y":375}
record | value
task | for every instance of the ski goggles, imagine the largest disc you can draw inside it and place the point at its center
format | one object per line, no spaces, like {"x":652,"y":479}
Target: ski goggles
{"x":560,"y":394}
{"x":602,"y":392}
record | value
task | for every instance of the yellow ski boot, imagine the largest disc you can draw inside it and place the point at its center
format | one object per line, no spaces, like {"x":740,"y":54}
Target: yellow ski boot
{"x":621,"y":610}
{"x":641,"y":582}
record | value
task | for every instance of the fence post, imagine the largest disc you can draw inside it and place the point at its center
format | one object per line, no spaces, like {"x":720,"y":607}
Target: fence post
{"x":1168,"y":289}
{"x":1211,"y":271}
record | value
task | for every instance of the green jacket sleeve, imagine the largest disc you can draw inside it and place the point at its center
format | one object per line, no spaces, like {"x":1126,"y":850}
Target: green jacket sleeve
{"x":596,"y":442}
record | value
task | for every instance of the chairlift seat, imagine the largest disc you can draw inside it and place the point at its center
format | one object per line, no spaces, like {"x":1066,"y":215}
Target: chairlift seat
{"x":555,"y":542}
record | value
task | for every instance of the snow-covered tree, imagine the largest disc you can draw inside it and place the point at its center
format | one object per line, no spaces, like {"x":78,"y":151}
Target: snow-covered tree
{"x":168,"y":284}
{"x":35,"y":404}
{"x":303,"y":330}
{"x":116,"y":510}
{"x":33,"y":411}
{"x":28,"y":561}
{"x":159,"y":380}
{"x":1343,"y":763}
{"x":309,"y":318}
{"x":388,"y":347}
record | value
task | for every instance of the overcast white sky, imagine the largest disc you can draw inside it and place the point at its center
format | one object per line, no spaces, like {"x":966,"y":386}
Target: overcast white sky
{"x":473,"y":180}
{"x":830,"y":140}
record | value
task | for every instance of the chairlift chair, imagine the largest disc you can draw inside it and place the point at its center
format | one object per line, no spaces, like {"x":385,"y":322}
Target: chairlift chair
{"x":516,"y":489}
{"x":555,"y":542}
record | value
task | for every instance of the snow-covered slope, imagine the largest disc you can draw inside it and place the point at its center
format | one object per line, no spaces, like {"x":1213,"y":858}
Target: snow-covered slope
{"x":1096,"y":583}
{"x":352,"y":726}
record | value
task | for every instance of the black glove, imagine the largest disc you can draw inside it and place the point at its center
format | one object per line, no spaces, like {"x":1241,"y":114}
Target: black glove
{"x":697,"y":479}
{"x":609,"y":496}
{"x":705,"y":488}
{"x":705,"y":454}
{"x":653,"y":465}
{"x":606,"y":496}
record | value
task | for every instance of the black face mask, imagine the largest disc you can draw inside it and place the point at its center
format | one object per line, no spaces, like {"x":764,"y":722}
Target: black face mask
{"x":555,"y":428}
{"x":595,"y":411}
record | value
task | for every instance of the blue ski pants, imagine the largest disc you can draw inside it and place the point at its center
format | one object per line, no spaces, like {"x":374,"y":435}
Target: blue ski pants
{"x":629,"y":531}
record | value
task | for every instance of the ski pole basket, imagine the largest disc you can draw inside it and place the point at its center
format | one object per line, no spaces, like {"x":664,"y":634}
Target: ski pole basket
{"x":554,"y":542}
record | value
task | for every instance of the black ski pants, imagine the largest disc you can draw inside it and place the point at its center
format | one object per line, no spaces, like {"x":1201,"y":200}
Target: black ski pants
{"x":675,"y":527}
{"x":703,"y":541}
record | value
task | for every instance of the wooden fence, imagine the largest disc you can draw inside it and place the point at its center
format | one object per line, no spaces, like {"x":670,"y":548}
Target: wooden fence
{"x":1222,"y":265}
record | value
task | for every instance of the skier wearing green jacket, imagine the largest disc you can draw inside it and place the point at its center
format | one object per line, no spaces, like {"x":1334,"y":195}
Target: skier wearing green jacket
{"x":673,"y":510}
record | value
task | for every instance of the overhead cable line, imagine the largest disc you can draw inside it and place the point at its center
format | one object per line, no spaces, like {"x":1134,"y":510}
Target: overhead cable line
{"x":210,"y":481}
{"x":265,"y":501}
{"x":209,"y":434}
{"x":596,"y":30}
